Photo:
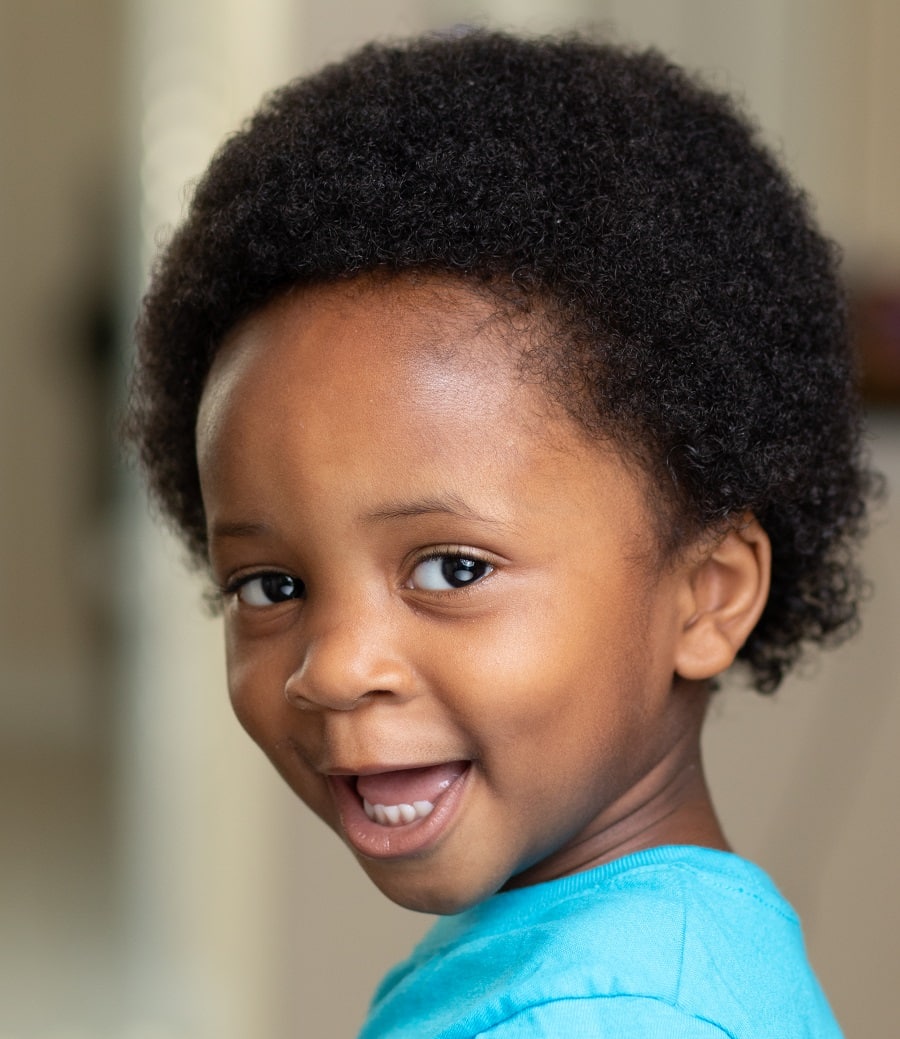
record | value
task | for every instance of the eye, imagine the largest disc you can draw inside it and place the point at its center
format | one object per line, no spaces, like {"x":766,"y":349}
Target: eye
{"x":269,"y":589}
{"x":446,"y":571}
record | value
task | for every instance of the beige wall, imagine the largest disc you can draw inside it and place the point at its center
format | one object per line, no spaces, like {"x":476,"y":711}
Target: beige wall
{"x":242,"y":915}
{"x":806,"y":781}
{"x":59,"y":129}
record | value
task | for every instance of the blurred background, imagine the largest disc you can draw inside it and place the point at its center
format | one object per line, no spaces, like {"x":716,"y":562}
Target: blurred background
{"x":156,"y":881}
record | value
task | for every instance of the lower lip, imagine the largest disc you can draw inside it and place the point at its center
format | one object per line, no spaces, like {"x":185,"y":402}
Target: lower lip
{"x":375,"y":841}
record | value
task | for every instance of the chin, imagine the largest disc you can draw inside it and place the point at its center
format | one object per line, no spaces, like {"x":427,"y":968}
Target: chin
{"x":424,"y":892}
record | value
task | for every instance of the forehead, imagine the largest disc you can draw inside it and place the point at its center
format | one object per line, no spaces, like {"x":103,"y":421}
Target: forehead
{"x":372,"y":352}
{"x":343,"y":400}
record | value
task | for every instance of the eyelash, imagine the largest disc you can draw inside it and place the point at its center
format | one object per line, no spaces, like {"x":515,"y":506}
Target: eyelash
{"x":234,"y":588}
{"x":465,"y":562}
{"x":459,"y":556}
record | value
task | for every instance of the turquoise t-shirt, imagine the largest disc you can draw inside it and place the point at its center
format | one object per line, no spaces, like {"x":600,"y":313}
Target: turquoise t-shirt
{"x":669,"y":943}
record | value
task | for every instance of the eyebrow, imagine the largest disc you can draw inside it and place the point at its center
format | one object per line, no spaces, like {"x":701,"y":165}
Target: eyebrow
{"x":447,"y":504}
{"x":238,"y":530}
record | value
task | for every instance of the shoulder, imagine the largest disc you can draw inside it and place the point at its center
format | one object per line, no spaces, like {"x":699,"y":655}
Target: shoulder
{"x":623,"y":1017}
{"x":674,"y":941}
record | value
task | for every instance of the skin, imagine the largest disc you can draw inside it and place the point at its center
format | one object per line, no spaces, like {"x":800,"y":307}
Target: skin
{"x":351,"y":432}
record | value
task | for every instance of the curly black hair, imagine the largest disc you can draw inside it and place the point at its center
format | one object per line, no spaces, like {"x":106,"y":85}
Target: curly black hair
{"x":696,"y":307}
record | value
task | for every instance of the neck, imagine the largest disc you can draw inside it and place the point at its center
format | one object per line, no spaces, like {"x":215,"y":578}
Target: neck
{"x":666,"y":807}
{"x":669,"y":804}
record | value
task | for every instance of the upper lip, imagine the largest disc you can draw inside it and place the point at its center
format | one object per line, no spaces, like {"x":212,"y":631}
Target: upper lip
{"x":378,"y":769}
{"x":333,"y":765}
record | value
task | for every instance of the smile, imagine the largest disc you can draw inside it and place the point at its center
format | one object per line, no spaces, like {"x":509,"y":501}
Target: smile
{"x":399,"y":811}
{"x":397,"y":815}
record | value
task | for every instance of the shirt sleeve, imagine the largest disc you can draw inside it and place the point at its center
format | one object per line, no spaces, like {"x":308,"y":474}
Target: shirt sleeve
{"x":619,"y":1017}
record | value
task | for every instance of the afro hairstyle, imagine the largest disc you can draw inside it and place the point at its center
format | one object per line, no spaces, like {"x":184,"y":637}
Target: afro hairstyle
{"x":697,"y":313}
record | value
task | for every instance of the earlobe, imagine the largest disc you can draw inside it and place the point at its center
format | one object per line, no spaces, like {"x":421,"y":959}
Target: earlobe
{"x":725,"y":593}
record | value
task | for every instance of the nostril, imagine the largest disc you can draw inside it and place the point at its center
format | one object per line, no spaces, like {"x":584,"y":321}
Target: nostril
{"x":344,"y":665}
{"x":312,"y":700}
{"x":304,"y":697}
{"x":297,"y":700}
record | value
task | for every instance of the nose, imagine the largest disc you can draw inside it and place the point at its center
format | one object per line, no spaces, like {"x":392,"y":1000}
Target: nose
{"x":347,"y":658}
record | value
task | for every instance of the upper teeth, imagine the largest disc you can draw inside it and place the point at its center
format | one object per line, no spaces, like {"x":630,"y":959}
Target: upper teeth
{"x":397,"y":815}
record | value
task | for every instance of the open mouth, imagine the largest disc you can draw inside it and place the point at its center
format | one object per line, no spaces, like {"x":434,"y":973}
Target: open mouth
{"x":401,"y":797}
{"x":400,"y":812}
{"x":397,"y":815}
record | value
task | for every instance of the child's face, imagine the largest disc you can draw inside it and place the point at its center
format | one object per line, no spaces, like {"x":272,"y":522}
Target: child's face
{"x":442,"y":593}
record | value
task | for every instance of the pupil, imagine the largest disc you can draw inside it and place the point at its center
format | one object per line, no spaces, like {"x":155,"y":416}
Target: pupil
{"x":279,"y":587}
{"x":458,"y":571}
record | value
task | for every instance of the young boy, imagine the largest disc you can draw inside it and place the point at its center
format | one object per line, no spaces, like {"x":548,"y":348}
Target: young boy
{"x":504,"y":388}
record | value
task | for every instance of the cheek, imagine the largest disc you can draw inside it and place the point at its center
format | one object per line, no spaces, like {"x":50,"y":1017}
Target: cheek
{"x":254,"y":712}
{"x":526,"y":674}
{"x":561,"y":643}
{"x":573,"y":684}
{"x":254,"y":691}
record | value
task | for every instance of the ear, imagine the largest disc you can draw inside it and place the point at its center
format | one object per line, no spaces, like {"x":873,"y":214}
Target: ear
{"x":725,"y":592}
